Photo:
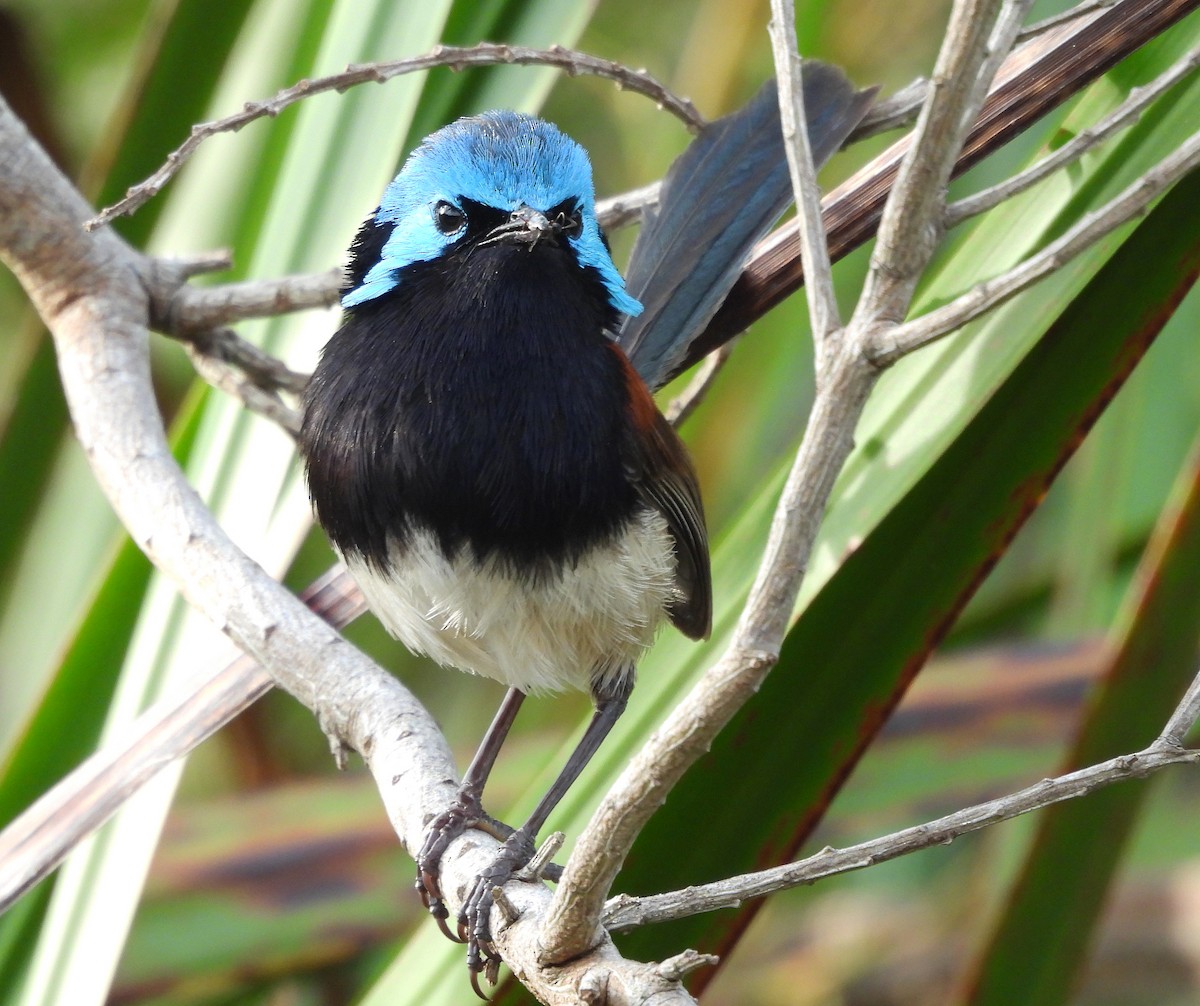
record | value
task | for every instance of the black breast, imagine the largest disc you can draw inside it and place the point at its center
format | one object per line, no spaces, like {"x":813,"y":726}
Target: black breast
{"x":480,"y":400}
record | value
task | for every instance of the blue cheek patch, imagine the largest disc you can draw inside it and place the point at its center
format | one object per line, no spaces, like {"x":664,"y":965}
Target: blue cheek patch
{"x":372,"y":286}
{"x":414,"y":238}
{"x":590,"y":250}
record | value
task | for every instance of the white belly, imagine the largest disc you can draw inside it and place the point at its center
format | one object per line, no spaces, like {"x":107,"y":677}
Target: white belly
{"x":593,"y":621}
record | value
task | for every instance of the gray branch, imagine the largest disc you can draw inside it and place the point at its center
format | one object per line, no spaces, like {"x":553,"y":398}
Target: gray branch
{"x":890,"y":344}
{"x":625,"y":912}
{"x":182,"y":311}
{"x":814,"y":244}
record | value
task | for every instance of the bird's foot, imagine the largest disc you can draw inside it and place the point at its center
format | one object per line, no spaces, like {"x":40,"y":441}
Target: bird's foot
{"x":474,"y":922}
{"x":466,"y":812}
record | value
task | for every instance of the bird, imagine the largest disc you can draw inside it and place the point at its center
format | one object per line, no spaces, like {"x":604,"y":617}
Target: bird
{"x":484,"y":454}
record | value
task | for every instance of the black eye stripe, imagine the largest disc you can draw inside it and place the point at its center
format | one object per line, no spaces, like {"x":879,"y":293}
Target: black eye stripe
{"x":468,"y":219}
{"x":568,"y":215}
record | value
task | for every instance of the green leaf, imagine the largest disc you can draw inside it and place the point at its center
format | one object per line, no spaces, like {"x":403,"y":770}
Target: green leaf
{"x":1041,"y":940}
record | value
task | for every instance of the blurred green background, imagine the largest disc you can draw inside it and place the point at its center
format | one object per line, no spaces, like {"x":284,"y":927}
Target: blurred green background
{"x":277,"y":880}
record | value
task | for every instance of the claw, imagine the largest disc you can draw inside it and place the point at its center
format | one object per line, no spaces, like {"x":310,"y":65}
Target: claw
{"x":474,"y":922}
{"x":427,"y":884}
{"x":422,"y":890}
{"x":441,"y":921}
{"x":464,"y":813}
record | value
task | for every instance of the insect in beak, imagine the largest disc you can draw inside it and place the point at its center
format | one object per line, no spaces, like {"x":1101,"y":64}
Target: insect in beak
{"x":526,"y":226}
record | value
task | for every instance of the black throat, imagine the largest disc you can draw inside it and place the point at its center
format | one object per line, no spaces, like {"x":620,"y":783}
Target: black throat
{"x":481,"y":401}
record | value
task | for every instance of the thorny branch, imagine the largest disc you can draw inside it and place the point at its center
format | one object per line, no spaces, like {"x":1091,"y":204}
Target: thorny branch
{"x":1091,"y":42}
{"x":1035,"y":78}
{"x":454,"y":57}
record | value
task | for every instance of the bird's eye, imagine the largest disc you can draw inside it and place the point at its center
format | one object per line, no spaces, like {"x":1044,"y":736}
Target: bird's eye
{"x":448,"y":217}
{"x":569,"y":223}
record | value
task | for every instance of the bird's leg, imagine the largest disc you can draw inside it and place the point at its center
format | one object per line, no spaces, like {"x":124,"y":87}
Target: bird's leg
{"x":466,"y":811}
{"x":518,"y":847}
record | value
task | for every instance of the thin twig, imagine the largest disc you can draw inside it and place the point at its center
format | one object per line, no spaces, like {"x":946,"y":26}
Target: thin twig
{"x":235,"y":382}
{"x":626,"y":208}
{"x":1184,"y":718}
{"x":182,"y":310}
{"x":454,"y":57}
{"x":980,"y":35}
{"x":887,"y":346}
{"x":896,"y":112}
{"x":1065,"y":17}
{"x":686,"y":402}
{"x":625,"y":912}
{"x":260,"y":367}
{"x":1124,"y":115}
{"x":814,"y":245}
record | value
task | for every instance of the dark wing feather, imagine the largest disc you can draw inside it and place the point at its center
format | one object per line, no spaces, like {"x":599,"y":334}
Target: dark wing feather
{"x":662,"y":475}
{"x":667,"y":482}
{"x":719,"y":198}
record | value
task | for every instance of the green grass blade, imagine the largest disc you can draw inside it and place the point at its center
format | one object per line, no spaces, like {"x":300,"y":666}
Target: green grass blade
{"x":1041,"y":941}
{"x":40,"y":465}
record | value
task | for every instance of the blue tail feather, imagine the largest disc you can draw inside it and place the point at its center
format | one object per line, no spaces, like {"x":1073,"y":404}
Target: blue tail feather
{"x":718,"y":200}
